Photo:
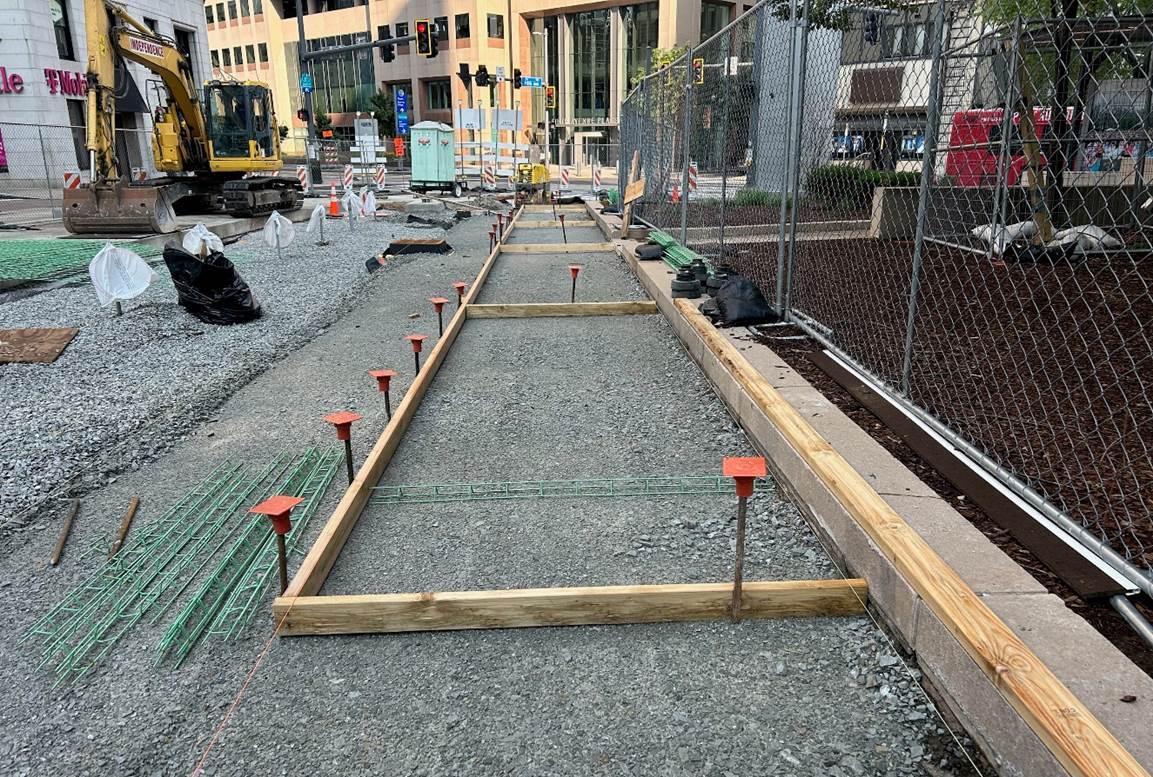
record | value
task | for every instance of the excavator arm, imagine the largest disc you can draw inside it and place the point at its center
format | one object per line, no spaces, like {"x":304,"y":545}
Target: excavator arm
{"x":110,"y":30}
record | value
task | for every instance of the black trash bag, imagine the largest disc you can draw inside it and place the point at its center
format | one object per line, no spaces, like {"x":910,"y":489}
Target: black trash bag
{"x":741,"y":303}
{"x":210,"y":288}
{"x":710,"y":310}
{"x":650,"y":251}
{"x":569,"y":199}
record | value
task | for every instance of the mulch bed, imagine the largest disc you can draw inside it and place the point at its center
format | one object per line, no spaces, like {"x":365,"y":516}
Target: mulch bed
{"x":1048,"y":368}
{"x":709,"y":215}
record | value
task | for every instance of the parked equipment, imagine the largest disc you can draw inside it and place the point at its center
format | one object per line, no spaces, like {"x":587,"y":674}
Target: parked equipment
{"x":206,"y":144}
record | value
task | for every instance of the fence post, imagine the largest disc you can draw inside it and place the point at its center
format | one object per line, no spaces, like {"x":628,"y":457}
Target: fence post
{"x":687,"y":144}
{"x":997,"y":217}
{"x":928,"y":162}
{"x":802,"y":65}
{"x":787,"y":172}
{"x":47,"y":174}
{"x":726,"y":52}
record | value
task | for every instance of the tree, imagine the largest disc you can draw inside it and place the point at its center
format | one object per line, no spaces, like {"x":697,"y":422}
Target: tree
{"x":322,"y":120}
{"x":384,"y":111}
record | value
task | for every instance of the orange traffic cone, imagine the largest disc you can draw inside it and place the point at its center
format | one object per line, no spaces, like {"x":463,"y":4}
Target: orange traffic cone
{"x":676,"y":194}
{"x":333,"y":205}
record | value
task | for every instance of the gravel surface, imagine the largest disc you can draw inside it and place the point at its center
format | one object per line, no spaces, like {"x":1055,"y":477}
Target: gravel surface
{"x":538,"y":235}
{"x":66,"y":420}
{"x":545,"y":278}
{"x":792,"y":697}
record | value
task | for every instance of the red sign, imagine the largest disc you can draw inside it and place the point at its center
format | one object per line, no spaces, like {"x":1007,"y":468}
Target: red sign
{"x":10,"y":83}
{"x":398,"y":146}
{"x":71,"y":84}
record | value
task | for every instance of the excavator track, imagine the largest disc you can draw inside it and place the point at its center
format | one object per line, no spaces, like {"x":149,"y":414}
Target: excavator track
{"x":260,"y":196}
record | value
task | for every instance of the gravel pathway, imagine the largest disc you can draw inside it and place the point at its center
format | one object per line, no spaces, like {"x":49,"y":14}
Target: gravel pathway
{"x":545,"y":278}
{"x":66,"y":422}
{"x":539,"y":235}
{"x":798,"y":697}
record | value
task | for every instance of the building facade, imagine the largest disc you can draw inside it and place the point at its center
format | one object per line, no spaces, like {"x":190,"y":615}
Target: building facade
{"x":594,"y":50}
{"x":43,"y":87}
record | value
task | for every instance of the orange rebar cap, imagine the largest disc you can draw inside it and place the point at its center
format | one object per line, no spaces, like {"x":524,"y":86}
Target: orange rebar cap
{"x":278,"y":508}
{"x":343,"y":423}
{"x":744,"y":470}
{"x":417,"y":341}
{"x":382,"y":378}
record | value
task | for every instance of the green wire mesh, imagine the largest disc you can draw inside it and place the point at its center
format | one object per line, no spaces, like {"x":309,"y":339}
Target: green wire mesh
{"x":44,"y":260}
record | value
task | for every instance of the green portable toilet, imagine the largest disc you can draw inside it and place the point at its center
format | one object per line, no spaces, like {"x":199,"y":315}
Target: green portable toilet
{"x":433,"y":157}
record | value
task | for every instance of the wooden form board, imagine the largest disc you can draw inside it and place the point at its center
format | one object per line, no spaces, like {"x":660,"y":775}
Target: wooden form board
{"x":556,"y":248}
{"x":530,"y":607}
{"x":557,"y":209}
{"x":575,"y":223}
{"x":634,"y":191}
{"x":542,"y":309}
{"x":1070,"y":731}
{"x":627,"y":207}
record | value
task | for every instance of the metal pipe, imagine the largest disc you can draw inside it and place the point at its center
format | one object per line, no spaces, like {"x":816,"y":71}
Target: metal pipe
{"x":348,"y":457}
{"x":928,"y":162}
{"x":802,"y":64}
{"x":686,"y":141}
{"x":1133,"y":617}
{"x":739,"y":563}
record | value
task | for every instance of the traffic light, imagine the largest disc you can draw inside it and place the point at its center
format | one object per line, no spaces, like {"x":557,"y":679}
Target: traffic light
{"x":465,"y":75}
{"x":698,"y":71}
{"x":516,"y":78}
{"x":550,"y":97}
{"x":426,"y":42}
{"x":302,"y":114}
{"x":387,"y":52}
{"x":481,"y":76}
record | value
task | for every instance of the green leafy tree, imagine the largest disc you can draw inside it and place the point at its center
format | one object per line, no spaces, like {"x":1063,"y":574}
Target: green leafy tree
{"x":383,"y":109}
{"x":322,"y":120}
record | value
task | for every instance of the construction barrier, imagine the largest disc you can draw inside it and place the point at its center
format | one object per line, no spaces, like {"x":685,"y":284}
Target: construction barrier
{"x":348,"y":178}
{"x":564,"y":177}
{"x":302,"y":176}
{"x":692,"y":176}
{"x":379,"y":176}
{"x":72,"y":180}
{"x":596,"y":178}
{"x":489,"y":176}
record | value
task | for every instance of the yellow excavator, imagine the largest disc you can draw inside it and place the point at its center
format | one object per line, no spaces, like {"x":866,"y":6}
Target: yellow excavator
{"x":218,"y":151}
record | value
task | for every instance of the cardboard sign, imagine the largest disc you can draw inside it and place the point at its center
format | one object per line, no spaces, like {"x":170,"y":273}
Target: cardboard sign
{"x":634,"y":191}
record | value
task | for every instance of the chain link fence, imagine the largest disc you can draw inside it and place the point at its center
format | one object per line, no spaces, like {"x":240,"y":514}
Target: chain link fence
{"x":958,"y":205}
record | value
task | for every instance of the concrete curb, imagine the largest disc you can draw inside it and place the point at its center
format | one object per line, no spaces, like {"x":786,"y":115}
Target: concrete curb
{"x":1077,"y":654}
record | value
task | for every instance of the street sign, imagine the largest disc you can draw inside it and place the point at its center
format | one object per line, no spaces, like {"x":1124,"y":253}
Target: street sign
{"x":306,"y":82}
{"x":500,"y":74}
{"x":534,"y":82}
{"x":401,"y":112}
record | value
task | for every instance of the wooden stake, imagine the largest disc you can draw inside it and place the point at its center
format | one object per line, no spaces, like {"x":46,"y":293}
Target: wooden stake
{"x":65,"y":530}
{"x":125,"y":525}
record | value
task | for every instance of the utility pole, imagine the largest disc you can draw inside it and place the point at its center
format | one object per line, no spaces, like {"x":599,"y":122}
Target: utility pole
{"x":311,"y":150}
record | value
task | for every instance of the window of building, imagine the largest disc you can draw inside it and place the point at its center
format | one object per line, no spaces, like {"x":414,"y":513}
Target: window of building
{"x":401,"y":29}
{"x":440,"y":94}
{"x":441,"y":28}
{"x":220,"y":17}
{"x":215,"y":57}
{"x":714,"y":16}
{"x":495,"y":26}
{"x":77,"y":119}
{"x":250,"y":54}
{"x":150,"y":23}
{"x":183,"y":40}
{"x":63,"y":30}
{"x":236,"y":55}
{"x":343,"y":83}
{"x":245,"y":8}
{"x":263,"y":49}
{"x":590,"y":31}
{"x":226,"y":56}
{"x":906,"y":35}
{"x":462,"y":28}
{"x":640,"y":23}
{"x":208,"y":17}
{"x":258,"y":7}
{"x":232,"y":9}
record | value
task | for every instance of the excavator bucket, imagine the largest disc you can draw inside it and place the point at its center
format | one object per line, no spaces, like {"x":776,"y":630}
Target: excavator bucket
{"x":117,"y":209}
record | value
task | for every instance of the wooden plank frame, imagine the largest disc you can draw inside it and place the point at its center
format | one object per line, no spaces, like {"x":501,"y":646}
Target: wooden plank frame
{"x":557,"y":248}
{"x":301,"y":611}
{"x":543,"y":309}
{"x":1067,"y":728}
{"x":574,"y":224}
{"x":532,"y":607}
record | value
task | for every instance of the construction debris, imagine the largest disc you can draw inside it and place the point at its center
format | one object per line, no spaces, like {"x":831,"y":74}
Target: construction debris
{"x":42,"y":345}
{"x":65,"y":530}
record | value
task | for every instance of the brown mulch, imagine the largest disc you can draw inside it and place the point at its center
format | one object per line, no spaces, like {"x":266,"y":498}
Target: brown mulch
{"x":1048,"y":367}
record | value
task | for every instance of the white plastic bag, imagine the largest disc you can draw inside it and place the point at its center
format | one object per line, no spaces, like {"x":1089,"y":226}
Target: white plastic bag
{"x":351,"y":204}
{"x":1006,"y":235}
{"x":279,"y":232}
{"x":369,"y":200}
{"x":118,"y":274}
{"x":1089,"y":237}
{"x":315,"y":220}
{"x":199,"y":237}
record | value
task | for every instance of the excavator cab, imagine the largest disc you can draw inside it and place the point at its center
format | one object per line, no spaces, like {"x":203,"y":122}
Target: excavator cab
{"x":240,"y":126}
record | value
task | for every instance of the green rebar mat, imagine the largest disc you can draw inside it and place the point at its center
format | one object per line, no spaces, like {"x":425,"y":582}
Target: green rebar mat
{"x":676,"y":255}
{"x":207,"y":543}
{"x":538,"y":489}
{"x":44,"y":260}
